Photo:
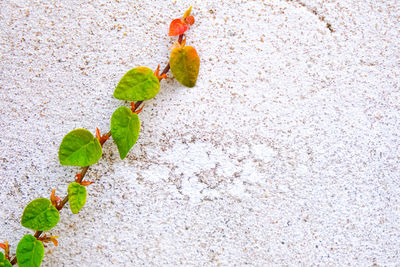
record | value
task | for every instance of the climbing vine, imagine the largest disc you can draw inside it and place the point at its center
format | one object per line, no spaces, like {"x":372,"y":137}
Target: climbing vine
{"x":81,"y":148}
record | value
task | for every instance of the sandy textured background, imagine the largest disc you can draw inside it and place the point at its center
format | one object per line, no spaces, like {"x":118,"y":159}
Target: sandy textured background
{"x":286,"y":152}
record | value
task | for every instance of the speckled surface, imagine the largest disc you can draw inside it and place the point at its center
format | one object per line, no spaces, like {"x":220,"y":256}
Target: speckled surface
{"x":286,"y":152}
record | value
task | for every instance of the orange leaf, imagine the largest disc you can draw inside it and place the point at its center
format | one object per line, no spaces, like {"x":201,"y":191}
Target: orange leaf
{"x":189,"y":20}
{"x":53,"y":198}
{"x":54,"y":240}
{"x":78,"y":177}
{"x":177,"y":27}
{"x":86,"y":183}
{"x":157,"y":71}
{"x":6,"y":248}
{"x":45,"y":239}
{"x":98,"y":135}
{"x":160,"y":77}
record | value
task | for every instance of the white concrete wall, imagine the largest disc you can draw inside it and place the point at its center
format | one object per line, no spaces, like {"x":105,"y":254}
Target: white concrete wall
{"x":287,"y":151}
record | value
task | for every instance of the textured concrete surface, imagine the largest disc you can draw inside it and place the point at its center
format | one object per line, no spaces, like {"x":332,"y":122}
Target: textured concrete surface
{"x":287,"y":151}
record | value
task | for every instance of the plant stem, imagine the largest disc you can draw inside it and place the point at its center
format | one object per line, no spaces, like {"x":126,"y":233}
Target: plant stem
{"x":85,"y":169}
{"x":14,"y":260}
{"x":166,"y":69}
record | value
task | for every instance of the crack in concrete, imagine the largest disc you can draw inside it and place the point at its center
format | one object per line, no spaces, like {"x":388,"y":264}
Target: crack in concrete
{"x":314,"y":12}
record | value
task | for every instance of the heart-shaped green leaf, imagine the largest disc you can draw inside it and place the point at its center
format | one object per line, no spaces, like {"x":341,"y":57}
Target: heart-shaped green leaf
{"x":138,"y":84}
{"x":77,"y":197}
{"x":79,"y":148}
{"x":30,"y":252}
{"x":3,"y":261}
{"x":40,"y":215}
{"x":185,"y":64}
{"x":125,"y":127}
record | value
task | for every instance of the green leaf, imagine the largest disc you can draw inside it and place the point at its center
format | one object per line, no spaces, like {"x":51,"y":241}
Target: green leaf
{"x":40,"y":215}
{"x":138,"y":84}
{"x":125,"y":126}
{"x":77,"y":197}
{"x":30,"y":252}
{"x":3,"y":261}
{"x":79,"y":148}
{"x":185,"y":64}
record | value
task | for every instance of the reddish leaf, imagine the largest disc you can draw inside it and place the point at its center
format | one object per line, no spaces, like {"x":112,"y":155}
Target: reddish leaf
{"x":86,"y":183}
{"x":98,"y":135}
{"x":53,"y":198}
{"x":55,"y":242}
{"x":6,"y":248}
{"x":189,"y":20}
{"x":177,"y":27}
{"x":78,"y":177}
{"x":102,"y":138}
{"x":160,"y":77}
{"x":45,"y":239}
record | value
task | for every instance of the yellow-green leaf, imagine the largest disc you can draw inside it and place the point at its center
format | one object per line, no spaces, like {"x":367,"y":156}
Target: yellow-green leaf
{"x":125,"y":127}
{"x":30,"y":252}
{"x":3,"y":261}
{"x":79,"y":148}
{"x":138,"y":84}
{"x":185,"y":64}
{"x":77,"y":197}
{"x":40,"y":215}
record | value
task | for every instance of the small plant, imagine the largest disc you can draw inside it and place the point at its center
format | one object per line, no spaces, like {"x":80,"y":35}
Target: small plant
{"x":81,"y":148}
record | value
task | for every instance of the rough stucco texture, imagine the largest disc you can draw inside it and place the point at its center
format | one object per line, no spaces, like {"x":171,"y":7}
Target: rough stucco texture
{"x":287,"y":151}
